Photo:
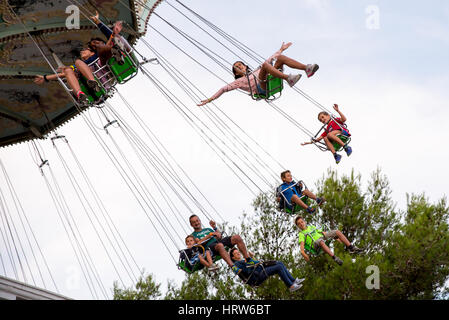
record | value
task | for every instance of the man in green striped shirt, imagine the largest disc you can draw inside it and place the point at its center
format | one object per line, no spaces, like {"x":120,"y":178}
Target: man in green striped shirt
{"x":212,"y":239}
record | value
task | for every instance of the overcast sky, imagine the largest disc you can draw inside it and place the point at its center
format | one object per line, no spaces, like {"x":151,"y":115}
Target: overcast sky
{"x":384,"y":62}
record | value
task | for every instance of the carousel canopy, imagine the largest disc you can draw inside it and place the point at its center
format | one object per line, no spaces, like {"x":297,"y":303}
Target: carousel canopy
{"x":28,"y":110}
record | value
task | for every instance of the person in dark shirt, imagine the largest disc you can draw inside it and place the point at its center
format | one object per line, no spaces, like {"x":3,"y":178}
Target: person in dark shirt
{"x":193,"y":255}
{"x":256,"y":275}
{"x":115,"y":42}
{"x":72,"y":73}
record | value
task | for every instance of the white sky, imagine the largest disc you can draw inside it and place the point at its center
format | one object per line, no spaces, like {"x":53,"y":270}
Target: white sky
{"x":389,"y":76}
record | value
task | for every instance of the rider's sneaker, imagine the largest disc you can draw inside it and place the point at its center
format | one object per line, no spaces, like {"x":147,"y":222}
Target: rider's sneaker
{"x":213,"y":267}
{"x":320,"y":201}
{"x":295,"y":287}
{"x":117,"y":55}
{"x":292,"y":79}
{"x":82,"y":99}
{"x":250,"y":262}
{"x":348,"y":150}
{"x":93,"y":85}
{"x":354,"y":249}
{"x":299,"y":280}
{"x":310,"y":210}
{"x":311,"y":69}
{"x":236,"y":269}
{"x":337,"y":260}
{"x":337,"y":158}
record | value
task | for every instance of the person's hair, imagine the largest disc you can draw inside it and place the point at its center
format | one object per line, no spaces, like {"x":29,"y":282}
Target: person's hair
{"x":231,"y":253}
{"x":283,"y":173}
{"x":322,"y":112}
{"x":189,"y":236}
{"x":193,"y":215}
{"x":93,"y":39}
{"x":236,"y":76}
{"x":297,"y":218}
{"x":113,"y":25}
{"x":76,"y":52}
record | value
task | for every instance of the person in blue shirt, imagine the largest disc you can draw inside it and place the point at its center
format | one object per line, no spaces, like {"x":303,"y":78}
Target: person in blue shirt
{"x":256,"y":275}
{"x":212,"y":239}
{"x":292,"y":192}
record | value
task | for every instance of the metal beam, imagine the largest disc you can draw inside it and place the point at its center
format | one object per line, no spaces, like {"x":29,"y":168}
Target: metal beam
{"x":11,"y":289}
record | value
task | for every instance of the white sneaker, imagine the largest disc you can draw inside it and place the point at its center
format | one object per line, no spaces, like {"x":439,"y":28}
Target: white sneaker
{"x":311,"y":69}
{"x":295,"y":287}
{"x":292,"y":79}
{"x":299,"y":281}
{"x":213,"y":267}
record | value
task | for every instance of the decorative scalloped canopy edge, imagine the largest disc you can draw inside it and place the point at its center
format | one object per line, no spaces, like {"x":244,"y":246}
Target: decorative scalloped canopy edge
{"x":16,"y":63}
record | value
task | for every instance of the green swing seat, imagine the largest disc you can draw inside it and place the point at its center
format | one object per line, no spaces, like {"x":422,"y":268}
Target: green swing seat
{"x":346,"y":139}
{"x":92,"y":96}
{"x":297,"y":207}
{"x":125,"y":71}
{"x":274,"y":86}
{"x":283,"y":202}
{"x":196,"y":267}
{"x":187,"y":267}
{"x":108,"y":76}
{"x":309,"y":248}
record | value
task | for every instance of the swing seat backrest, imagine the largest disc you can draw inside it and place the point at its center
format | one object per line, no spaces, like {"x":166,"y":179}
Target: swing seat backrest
{"x":103,"y":74}
{"x":298,"y":208}
{"x":126,"y":71}
{"x":310,"y":248}
{"x":283,"y":202}
{"x":274,"y":86}
{"x":185,"y":265}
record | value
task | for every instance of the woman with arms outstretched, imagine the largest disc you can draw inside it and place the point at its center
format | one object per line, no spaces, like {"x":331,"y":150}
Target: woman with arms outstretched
{"x":257,"y":79}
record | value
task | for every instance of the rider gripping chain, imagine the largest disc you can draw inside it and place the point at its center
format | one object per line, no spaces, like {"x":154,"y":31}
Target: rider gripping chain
{"x":335,"y":127}
{"x":291,"y":194}
{"x":115,"y":40}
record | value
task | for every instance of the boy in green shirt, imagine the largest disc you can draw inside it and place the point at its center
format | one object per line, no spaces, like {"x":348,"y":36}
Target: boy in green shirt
{"x":314,"y":239}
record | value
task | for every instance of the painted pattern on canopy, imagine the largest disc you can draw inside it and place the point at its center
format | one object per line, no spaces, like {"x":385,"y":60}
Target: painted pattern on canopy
{"x":28,"y":110}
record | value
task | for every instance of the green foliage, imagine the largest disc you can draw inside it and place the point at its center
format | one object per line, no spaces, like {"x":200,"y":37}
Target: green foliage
{"x":145,"y":289}
{"x":409,"y":248}
{"x":419,"y":251}
{"x":366,"y":218}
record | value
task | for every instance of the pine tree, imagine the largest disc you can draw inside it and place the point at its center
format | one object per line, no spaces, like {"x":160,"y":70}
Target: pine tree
{"x":406,"y":253}
{"x":145,"y":289}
